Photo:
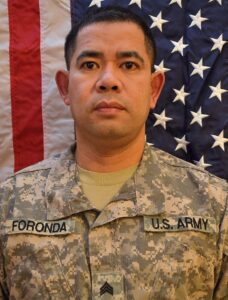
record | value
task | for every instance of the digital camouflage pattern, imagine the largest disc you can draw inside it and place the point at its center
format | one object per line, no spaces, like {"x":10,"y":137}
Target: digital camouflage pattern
{"x":164,"y":236}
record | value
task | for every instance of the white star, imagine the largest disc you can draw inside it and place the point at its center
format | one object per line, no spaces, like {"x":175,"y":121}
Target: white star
{"x":219,"y":1}
{"x":219,"y":140}
{"x":96,"y":2}
{"x":176,"y":1}
{"x":179,"y":46}
{"x":161,"y":67}
{"x":158,"y":21}
{"x":198,"y":117}
{"x":217,"y":91}
{"x":138,"y":2}
{"x":199,"y":68}
{"x":218,"y":43}
{"x":197,"y":20}
{"x":201,"y":163}
{"x":182,"y":144}
{"x":180,"y":95}
{"x":161,"y":119}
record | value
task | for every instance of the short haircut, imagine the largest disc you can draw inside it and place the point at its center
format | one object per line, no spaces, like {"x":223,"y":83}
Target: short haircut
{"x":110,"y":14}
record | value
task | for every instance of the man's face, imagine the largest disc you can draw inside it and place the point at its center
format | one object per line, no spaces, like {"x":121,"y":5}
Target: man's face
{"x":110,"y":88}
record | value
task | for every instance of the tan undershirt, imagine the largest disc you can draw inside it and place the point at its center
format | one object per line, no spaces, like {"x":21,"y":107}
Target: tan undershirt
{"x":99,"y":188}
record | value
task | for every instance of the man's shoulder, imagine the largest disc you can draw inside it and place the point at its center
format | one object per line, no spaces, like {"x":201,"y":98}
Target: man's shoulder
{"x":30,"y":173}
{"x":184,"y":186}
{"x":169,"y":159}
{"x":28,"y":185}
{"x":37,"y":172}
{"x":40,"y":166}
{"x":178,"y":167}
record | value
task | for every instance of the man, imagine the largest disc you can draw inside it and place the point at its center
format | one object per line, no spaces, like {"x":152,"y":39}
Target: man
{"x":113,"y":218}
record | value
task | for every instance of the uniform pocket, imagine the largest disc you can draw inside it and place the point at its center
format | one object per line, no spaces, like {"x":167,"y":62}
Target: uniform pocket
{"x":34,"y":271}
{"x":185,"y":262}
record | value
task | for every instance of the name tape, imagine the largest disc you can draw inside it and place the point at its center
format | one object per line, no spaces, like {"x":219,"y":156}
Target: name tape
{"x":39,"y":227}
{"x":179,"y":223}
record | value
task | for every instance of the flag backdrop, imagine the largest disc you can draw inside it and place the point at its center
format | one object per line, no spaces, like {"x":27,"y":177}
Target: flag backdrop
{"x":191,"y":118}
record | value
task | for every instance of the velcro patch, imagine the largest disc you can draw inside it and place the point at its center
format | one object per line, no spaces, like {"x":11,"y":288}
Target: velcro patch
{"x":39,"y":227}
{"x":179,"y":223}
{"x":108,"y":285}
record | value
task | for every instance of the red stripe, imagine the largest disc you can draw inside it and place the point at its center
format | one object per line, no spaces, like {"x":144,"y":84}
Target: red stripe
{"x":25,"y":73}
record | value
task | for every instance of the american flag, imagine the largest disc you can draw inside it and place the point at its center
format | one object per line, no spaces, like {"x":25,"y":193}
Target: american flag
{"x":191,"y":118}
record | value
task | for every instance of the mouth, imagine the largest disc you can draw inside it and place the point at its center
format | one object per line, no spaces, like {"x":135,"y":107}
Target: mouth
{"x":109,"y":107}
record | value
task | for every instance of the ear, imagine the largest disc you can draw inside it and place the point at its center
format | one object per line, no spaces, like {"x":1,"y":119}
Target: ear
{"x":62,"y":81}
{"x":157,"y":83}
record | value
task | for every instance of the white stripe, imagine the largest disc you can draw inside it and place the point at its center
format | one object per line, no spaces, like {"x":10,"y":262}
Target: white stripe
{"x":6,"y":141}
{"x":58,"y":125}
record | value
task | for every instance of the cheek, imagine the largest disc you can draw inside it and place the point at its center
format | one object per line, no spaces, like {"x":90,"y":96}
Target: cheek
{"x":143,"y":100}
{"x":77,"y":95}
{"x":143,"y":88}
{"x":81,"y":89}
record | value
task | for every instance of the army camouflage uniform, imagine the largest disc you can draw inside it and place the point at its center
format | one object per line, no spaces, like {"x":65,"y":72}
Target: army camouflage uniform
{"x":164,"y":236}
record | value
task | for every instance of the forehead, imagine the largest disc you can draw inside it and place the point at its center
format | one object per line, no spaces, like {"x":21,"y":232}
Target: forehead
{"x":115,"y":36}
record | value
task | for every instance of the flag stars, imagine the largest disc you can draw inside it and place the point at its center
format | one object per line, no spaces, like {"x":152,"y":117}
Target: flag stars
{"x":201,"y":163}
{"x":151,"y":144}
{"x":180,"y":95}
{"x":158,"y":21}
{"x":218,"y":43}
{"x":198,"y":117}
{"x":219,"y":1}
{"x":197,"y":20}
{"x":96,"y":2}
{"x":179,"y":46}
{"x":219,"y":140}
{"x":138,"y":2}
{"x":217,"y":91}
{"x":179,"y":2}
{"x":181,"y":144}
{"x":199,"y":68}
{"x":161,"y":119}
{"x":161,"y":67}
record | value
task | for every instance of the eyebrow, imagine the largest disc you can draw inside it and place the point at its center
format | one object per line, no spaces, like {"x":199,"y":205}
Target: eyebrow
{"x":89,"y":53}
{"x":129,"y":54}
{"x":121,"y":54}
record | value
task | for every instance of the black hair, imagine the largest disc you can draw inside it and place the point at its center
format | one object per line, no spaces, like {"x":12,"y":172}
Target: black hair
{"x":108,"y":14}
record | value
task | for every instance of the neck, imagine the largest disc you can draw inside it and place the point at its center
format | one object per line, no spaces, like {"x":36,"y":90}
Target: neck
{"x":109,"y":157}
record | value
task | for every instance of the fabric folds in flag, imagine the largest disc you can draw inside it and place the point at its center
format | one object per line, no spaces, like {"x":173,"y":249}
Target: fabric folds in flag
{"x":191,"y":118}
{"x":34,"y":123}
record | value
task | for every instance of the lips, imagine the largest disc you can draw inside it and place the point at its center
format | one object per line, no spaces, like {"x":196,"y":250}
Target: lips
{"x":109,"y":105}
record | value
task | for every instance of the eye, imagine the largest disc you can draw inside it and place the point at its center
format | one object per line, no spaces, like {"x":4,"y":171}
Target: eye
{"x":89,"y":65}
{"x":129,"y":65}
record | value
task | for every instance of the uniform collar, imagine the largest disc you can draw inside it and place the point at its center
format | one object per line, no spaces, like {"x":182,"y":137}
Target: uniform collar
{"x":63,"y":188}
{"x":139,"y":195}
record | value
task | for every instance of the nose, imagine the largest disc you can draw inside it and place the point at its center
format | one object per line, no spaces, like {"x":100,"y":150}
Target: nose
{"x":108,"y":80}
